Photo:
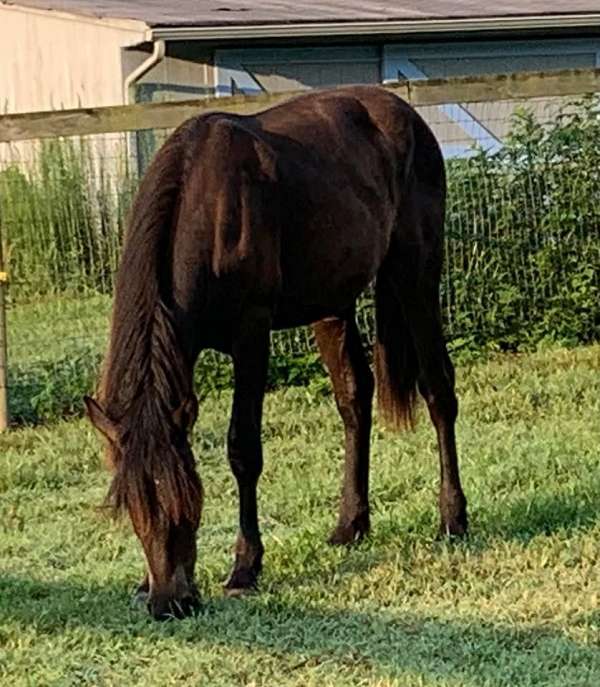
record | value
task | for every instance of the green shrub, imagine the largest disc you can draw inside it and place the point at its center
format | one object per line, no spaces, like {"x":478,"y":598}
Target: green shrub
{"x":523,"y":236}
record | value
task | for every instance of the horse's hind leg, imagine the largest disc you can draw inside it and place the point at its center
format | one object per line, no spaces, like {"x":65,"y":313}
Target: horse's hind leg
{"x":436,"y":385}
{"x":413,"y":301}
{"x":250,"y":353}
{"x":342,"y":352}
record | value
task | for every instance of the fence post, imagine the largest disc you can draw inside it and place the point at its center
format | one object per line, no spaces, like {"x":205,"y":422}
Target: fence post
{"x":3,"y":344}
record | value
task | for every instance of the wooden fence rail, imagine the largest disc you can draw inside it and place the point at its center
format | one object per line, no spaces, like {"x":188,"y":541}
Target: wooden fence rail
{"x":471,"y":89}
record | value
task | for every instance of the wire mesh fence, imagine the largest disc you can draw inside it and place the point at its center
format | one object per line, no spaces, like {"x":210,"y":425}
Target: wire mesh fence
{"x":522,"y":240}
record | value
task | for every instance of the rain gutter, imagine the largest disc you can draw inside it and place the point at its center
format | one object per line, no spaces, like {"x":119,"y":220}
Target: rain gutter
{"x":370,"y":28}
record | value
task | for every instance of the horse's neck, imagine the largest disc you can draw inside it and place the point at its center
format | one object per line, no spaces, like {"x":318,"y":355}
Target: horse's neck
{"x":146,"y":363}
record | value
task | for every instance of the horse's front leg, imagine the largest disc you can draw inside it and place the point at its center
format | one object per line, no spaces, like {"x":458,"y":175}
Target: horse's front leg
{"x":142,"y":592}
{"x":250,"y":352}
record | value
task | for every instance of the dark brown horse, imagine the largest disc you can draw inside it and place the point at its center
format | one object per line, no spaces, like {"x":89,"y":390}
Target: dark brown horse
{"x":247,"y":224}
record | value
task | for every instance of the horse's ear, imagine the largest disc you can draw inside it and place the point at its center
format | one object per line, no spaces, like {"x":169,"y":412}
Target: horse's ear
{"x":100,"y":419}
{"x":187,"y":413}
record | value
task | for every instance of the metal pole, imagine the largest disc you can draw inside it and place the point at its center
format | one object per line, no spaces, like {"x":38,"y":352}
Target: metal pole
{"x":3,"y":344}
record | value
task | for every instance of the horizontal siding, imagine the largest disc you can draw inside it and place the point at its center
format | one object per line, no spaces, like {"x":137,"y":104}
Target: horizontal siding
{"x":467,"y":66}
{"x":280,"y":77}
{"x":461,"y":126}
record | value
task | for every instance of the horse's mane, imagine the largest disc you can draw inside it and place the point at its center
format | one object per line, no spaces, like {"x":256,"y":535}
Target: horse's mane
{"x":145,"y":375}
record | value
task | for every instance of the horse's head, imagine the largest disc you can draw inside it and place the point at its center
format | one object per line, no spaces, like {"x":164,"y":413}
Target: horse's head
{"x":156,"y":482}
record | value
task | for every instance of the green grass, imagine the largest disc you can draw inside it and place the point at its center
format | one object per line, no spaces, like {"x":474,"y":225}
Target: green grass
{"x":55,"y":347}
{"x":54,"y":351}
{"x":517,"y":604}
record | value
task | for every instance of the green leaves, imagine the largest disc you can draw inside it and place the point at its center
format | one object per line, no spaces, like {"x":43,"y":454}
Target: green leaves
{"x":523,"y":235}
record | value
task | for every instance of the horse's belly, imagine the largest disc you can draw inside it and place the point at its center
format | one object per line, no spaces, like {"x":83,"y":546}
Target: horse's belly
{"x":318,"y":284}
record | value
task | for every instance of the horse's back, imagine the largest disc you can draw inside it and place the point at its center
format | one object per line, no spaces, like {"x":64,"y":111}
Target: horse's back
{"x":300,"y":201}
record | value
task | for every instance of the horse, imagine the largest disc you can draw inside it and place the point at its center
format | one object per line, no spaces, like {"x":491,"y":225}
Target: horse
{"x":247,"y":224}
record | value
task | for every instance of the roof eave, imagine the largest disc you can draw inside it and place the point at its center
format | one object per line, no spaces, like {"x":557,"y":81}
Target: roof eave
{"x":372,"y":28}
{"x":135,"y":26}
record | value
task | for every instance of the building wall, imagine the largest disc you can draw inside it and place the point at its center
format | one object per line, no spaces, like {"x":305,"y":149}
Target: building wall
{"x":457,"y":126}
{"x":185,"y":72}
{"x":50,"y":60}
{"x":291,"y":69}
{"x":461,"y":126}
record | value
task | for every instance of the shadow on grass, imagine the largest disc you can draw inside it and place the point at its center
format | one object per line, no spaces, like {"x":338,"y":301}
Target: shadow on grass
{"x":392,"y":645}
{"x":519,"y":520}
{"x":524,"y":518}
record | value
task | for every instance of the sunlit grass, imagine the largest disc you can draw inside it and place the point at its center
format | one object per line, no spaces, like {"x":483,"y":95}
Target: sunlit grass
{"x":515,"y":605}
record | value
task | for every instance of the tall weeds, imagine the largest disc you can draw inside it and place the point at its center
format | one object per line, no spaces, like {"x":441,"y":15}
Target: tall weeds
{"x":63,"y":218}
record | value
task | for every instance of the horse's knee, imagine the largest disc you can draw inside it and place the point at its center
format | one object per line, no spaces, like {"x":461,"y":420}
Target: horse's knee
{"x":355,"y":407}
{"x":441,"y":401}
{"x":245,"y":456}
{"x":444,"y":407}
{"x":353,"y":415}
{"x":367,"y":387}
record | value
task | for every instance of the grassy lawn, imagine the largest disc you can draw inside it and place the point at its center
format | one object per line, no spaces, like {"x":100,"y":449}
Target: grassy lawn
{"x":518,"y":604}
{"x":54,"y":348}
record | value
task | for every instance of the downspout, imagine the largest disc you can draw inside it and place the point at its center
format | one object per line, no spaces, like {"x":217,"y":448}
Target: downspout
{"x":158,"y":54}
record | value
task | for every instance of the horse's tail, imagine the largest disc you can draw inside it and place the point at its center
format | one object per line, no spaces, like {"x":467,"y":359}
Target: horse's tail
{"x":396,"y":362}
{"x":409,"y":276}
{"x":146,"y":375}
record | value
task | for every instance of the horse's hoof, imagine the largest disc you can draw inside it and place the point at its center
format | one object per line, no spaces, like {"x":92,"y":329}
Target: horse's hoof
{"x":242,"y":582}
{"x":453,"y":513}
{"x":174,"y":609}
{"x":456,"y":528}
{"x":139,"y":600}
{"x":240,"y":592}
{"x":346,"y":534}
